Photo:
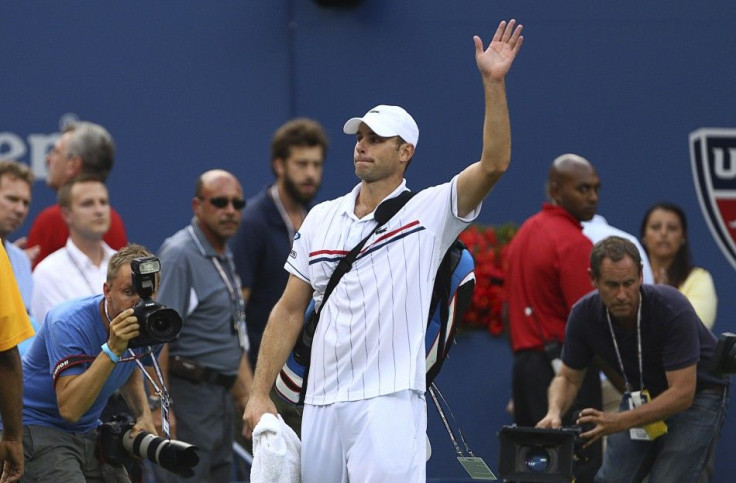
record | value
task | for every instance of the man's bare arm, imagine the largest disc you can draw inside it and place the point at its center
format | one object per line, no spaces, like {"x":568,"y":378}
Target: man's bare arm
{"x":75,"y":394}
{"x":11,"y":408}
{"x":282,"y":329}
{"x":676,"y":398}
{"x":561,"y":394}
{"x":135,"y":397}
{"x":476,"y":181}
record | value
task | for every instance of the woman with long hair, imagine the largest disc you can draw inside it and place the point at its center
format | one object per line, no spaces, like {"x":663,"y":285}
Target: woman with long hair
{"x":664,"y":237}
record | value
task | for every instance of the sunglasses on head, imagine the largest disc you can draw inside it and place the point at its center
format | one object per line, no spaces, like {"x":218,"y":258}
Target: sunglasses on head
{"x":222,"y":202}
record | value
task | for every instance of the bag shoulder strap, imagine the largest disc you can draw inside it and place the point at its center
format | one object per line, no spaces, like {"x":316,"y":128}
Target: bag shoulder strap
{"x":384,"y":212}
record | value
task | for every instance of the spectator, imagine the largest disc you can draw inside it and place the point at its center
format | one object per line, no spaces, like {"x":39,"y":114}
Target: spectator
{"x":365,"y":414}
{"x":297,"y":154}
{"x":83,"y":147}
{"x":79,"y":268}
{"x":654,"y":339}
{"x":547,"y":274}
{"x":16,"y":180}
{"x":72,"y":368}
{"x":275,"y":214}
{"x":14,"y":328}
{"x":209,"y":356}
{"x":597,"y":228}
{"x":664,"y":235}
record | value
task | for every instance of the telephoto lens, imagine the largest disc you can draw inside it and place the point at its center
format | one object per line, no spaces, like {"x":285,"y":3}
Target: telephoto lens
{"x":172,"y":455}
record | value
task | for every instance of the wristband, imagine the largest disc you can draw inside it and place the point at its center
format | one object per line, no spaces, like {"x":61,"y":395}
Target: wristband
{"x":106,"y":349}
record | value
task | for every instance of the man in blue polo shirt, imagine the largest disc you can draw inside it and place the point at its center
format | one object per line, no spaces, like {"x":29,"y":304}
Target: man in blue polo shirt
{"x":72,"y":367}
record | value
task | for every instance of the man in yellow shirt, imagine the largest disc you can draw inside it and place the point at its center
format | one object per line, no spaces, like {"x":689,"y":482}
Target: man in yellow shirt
{"x":15,"y":327}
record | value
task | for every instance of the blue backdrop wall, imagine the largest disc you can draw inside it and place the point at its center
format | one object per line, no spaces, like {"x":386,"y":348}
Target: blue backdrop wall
{"x":186,"y":86}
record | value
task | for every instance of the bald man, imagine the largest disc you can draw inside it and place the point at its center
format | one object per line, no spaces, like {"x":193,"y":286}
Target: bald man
{"x":548,"y":263}
{"x":208,"y":360}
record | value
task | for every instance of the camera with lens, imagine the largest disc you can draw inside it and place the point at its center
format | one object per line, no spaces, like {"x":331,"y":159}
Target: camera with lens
{"x":538,"y":454}
{"x":724,"y":355}
{"x":116,"y":446}
{"x":158,"y":323}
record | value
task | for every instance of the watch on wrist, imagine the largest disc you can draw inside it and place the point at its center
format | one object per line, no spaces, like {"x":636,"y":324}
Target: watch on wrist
{"x":154,"y":402}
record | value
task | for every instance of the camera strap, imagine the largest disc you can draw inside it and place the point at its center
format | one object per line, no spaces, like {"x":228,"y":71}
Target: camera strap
{"x":159,"y":389}
{"x":474,"y":465}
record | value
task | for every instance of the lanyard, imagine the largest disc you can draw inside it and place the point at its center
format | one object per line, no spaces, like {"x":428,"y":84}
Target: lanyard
{"x":161,"y":390}
{"x":638,"y":346}
{"x":235,"y":295}
{"x":92,"y":291}
{"x":274,"y":192}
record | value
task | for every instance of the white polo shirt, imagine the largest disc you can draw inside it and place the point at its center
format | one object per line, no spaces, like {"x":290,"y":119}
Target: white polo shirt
{"x":370,"y":337}
{"x":66,"y":274}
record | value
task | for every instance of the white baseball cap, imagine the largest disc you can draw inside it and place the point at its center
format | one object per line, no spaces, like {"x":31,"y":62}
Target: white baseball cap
{"x":387,"y":121}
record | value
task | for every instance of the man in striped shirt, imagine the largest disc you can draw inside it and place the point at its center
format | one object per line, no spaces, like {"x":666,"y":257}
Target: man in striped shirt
{"x":365,"y":414}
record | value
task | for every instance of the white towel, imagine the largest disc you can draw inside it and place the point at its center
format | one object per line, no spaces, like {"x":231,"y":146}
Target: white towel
{"x":276,"y":452}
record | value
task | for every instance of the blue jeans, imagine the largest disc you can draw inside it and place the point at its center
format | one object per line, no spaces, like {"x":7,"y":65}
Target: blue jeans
{"x":678,"y":456}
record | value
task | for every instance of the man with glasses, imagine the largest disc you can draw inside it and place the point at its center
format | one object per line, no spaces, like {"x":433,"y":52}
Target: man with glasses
{"x":209,"y":358}
{"x":83,"y":147}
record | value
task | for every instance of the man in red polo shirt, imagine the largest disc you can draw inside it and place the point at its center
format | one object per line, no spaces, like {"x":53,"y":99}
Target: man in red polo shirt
{"x":83,"y":147}
{"x":548,"y":261}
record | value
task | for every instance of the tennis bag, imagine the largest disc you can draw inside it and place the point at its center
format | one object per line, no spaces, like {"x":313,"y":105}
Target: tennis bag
{"x":451,"y":295}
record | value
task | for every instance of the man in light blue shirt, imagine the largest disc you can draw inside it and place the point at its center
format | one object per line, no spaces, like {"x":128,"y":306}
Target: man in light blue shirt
{"x":15,"y":200}
{"x":73,"y":366}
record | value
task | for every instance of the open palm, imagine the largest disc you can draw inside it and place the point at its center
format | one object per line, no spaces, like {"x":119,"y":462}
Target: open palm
{"x":496,"y":60}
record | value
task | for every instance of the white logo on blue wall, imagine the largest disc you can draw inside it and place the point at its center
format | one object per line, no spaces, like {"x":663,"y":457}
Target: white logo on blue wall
{"x":32,"y":148}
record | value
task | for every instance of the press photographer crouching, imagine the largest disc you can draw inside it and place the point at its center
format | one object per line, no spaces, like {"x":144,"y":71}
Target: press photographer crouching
{"x":673,"y":407}
{"x":78,"y":359}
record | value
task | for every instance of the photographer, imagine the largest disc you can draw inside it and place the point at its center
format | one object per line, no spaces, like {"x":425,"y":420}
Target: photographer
{"x":673,"y":408}
{"x":73,"y":366}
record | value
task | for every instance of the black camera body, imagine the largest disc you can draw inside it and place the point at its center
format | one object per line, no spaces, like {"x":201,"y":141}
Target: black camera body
{"x":537,"y":454}
{"x":158,"y":323}
{"x":724,"y":355}
{"x":117,"y":447}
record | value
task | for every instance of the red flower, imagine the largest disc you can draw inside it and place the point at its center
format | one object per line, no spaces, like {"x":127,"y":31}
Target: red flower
{"x":489,"y":247}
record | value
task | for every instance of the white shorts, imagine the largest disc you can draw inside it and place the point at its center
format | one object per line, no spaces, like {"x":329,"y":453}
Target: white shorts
{"x":382,"y":439}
